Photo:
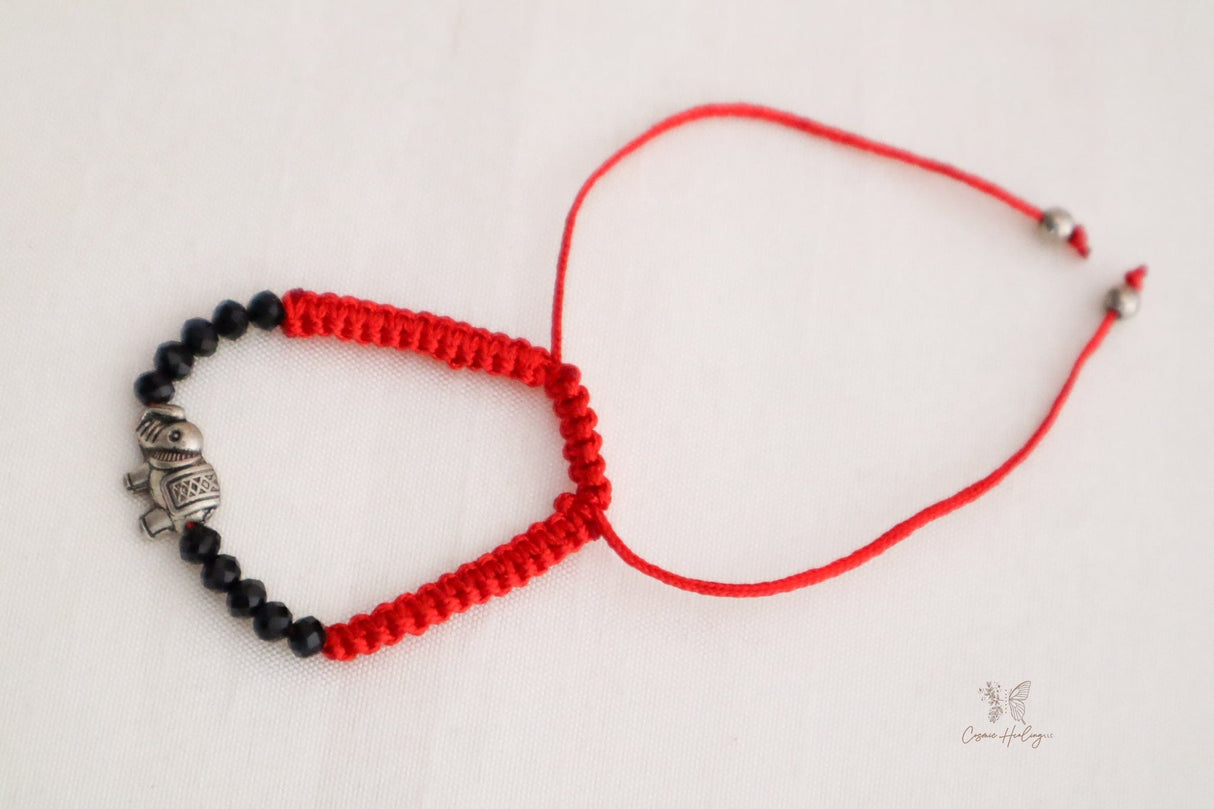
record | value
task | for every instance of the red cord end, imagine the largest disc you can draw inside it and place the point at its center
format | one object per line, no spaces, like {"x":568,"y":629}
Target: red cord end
{"x":1079,"y":240}
{"x":1136,"y":277}
{"x":1059,"y":225}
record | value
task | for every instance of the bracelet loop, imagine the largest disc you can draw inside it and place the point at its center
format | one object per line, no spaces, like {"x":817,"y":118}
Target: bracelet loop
{"x":185,"y":488}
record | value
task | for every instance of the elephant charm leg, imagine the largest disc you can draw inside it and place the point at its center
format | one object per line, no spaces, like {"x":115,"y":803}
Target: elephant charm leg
{"x":156,"y":521}
{"x":139,"y":480}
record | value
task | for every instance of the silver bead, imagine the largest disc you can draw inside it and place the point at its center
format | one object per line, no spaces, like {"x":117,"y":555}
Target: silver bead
{"x":1057,"y":224}
{"x":183,"y":486}
{"x":1124,"y":300}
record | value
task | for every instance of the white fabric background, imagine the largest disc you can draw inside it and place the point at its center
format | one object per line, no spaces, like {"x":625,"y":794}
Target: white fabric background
{"x":790,"y":347}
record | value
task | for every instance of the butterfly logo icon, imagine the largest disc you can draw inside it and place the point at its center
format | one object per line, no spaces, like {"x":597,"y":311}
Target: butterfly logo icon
{"x":1012,"y":702}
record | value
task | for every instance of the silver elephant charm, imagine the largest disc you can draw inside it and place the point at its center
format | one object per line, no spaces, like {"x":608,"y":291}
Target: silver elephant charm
{"x":183,"y":485}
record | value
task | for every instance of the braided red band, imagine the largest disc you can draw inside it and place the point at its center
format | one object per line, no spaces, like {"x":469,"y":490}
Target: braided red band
{"x":525,"y":556}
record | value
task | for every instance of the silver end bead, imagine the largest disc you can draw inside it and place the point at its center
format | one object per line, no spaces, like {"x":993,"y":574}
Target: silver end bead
{"x":1057,"y":224}
{"x":1124,"y":300}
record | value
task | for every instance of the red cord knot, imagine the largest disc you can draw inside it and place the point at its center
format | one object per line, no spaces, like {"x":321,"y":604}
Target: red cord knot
{"x":1079,"y":240}
{"x":1124,"y":300}
{"x":1136,"y":277}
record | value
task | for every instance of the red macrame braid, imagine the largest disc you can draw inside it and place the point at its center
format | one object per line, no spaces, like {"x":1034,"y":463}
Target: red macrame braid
{"x":463,"y":346}
{"x":581,"y":516}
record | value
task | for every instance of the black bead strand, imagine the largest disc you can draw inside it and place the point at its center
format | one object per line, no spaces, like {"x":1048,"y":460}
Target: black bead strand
{"x":199,"y":544}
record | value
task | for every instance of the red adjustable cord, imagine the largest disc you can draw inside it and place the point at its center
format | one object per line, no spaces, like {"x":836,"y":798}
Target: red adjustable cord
{"x":580,"y":516}
{"x":1077,"y":240}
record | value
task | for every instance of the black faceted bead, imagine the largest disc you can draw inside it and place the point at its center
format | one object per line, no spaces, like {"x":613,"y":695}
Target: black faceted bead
{"x":200,"y":337}
{"x":306,"y":637}
{"x":265,"y":310}
{"x":230,"y":320}
{"x":174,"y":360}
{"x":199,"y":543}
{"x":154,"y":387}
{"x":271,"y":620}
{"x":246,"y":597}
{"x":220,"y":573}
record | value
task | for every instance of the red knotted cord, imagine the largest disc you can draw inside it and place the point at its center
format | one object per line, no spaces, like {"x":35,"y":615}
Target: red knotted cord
{"x":1077,"y":240}
{"x":512,"y":564}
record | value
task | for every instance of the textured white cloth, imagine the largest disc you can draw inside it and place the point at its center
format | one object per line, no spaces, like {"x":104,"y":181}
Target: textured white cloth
{"x":790,"y":346}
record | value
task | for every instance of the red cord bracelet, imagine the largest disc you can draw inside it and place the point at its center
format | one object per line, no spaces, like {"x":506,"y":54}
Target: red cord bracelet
{"x":185,"y":489}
